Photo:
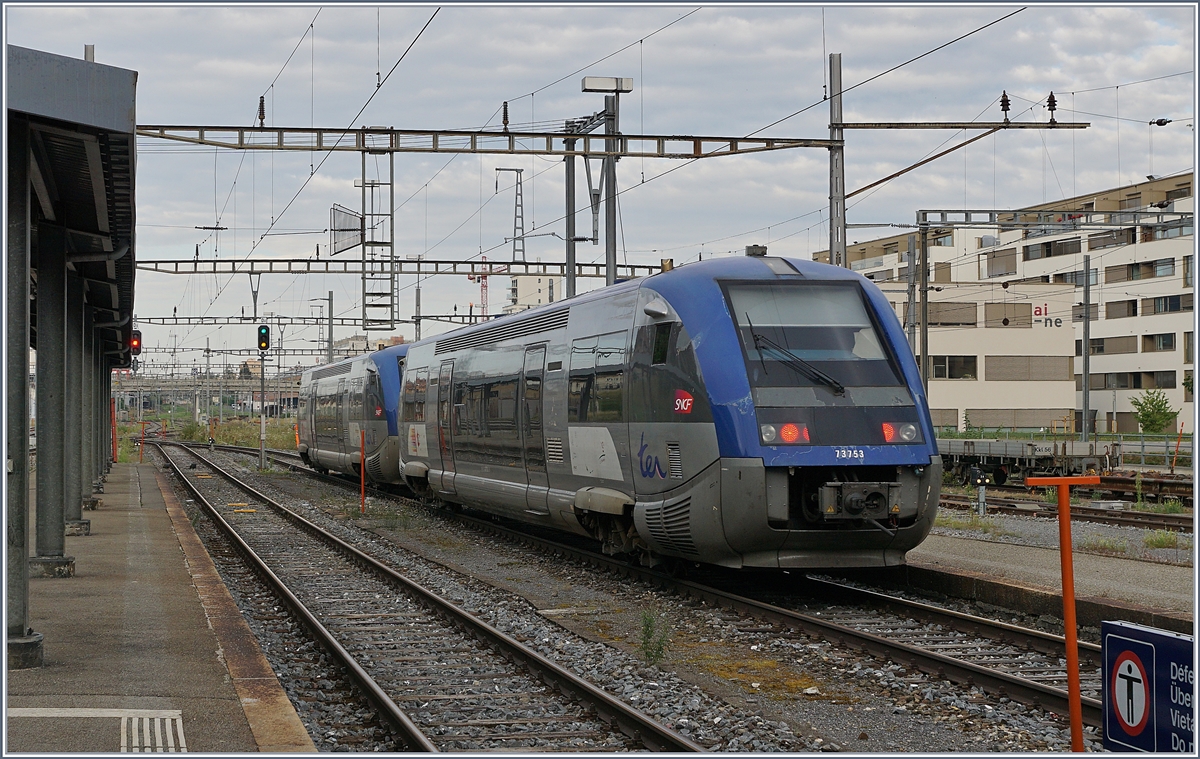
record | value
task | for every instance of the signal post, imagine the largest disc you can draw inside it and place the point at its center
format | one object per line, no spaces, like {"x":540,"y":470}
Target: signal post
{"x":264,"y":344}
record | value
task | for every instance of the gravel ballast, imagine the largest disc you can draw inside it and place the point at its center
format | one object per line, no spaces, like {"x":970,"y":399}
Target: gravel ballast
{"x":720,"y":681}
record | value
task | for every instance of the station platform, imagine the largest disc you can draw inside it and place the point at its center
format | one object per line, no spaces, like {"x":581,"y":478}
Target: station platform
{"x":1154,"y":594}
{"x":144,"y":648}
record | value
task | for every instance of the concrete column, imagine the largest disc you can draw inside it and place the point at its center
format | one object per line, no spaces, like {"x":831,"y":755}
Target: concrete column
{"x":76,"y":418}
{"x":50,"y":559}
{"x":24,"y":645}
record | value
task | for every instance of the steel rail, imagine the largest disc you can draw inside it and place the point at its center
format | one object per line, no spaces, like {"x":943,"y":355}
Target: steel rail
{"x":1046,"y":643}
{"x":612,"y":710}
{"x":387,"y":708}
{"x":1115,"y":517}
{"x":929,"y":662}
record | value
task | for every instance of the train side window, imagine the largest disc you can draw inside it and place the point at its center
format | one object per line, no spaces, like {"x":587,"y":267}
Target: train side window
{"x":596,"y":389}
{"x":662,"y":342}
{"x":608,"y":398}
{"x":583,"y":375}
{"x":415,"y":386}
{"x":356,"y":399}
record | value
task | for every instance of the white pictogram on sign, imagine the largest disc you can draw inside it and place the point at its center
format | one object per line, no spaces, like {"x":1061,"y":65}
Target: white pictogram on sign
{"x":1131,"y":693}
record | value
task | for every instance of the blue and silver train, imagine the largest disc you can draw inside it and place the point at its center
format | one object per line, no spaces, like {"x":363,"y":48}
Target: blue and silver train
{"x":744,"y":412}
{"x":347,"y":415}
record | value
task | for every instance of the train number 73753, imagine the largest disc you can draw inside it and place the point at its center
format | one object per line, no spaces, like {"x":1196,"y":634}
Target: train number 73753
{"x":849,"y":453}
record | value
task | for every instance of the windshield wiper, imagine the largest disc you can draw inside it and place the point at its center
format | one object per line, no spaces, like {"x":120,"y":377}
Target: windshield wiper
{"x":794,"y":362}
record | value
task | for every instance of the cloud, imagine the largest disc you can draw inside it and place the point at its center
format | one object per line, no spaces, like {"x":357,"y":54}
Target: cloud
{"x":727,"y":70}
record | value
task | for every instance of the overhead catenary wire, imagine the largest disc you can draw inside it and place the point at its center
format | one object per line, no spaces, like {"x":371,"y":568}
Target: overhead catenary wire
{"x":330,"y":152}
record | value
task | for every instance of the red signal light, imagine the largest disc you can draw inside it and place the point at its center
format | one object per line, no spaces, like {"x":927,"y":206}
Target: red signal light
{"x":889,"y":432}
{"x":135,"y":342}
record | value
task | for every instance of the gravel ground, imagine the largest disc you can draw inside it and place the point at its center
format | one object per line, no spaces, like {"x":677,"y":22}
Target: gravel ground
{"x":720,"y":680}
{"x":1086,"y":537}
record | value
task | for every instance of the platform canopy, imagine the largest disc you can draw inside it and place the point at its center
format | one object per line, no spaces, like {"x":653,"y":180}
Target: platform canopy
{"x":81,"y":121}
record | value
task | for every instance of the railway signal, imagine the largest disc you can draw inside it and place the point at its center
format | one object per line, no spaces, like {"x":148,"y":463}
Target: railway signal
{"x":264,"y":337}
{"x":135,"y":342}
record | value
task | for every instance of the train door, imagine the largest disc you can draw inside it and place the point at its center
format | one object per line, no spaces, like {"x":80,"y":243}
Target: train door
{"x":532,"y":430}
{"x":445,"y":421}
{"x":342,"y":429}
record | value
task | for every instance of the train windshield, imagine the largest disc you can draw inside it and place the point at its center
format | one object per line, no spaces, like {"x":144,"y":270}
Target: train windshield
{"x":810,"y":335}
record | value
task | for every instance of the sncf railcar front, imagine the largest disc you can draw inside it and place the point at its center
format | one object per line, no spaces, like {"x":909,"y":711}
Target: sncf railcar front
{"x":825,"y":452}
{"x":346,"y":405}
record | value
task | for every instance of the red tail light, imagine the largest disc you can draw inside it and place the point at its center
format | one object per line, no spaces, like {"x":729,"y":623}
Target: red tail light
{"x":889,"y":433}
{"x":792,"y":433}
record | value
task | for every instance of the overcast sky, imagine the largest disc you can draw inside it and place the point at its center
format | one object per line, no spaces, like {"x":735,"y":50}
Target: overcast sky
{"x":722,"y":71}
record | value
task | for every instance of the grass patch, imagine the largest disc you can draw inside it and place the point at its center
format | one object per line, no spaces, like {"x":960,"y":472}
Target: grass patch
{"x":1166,"y":506}
{"x":1165,"y":539}
{"x":1105,"y":545}
{"x":656,"y":637}
{"x":970,"y":522}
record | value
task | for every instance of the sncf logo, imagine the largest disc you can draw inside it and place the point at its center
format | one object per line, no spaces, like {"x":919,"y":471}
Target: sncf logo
{"x":683,"y":402}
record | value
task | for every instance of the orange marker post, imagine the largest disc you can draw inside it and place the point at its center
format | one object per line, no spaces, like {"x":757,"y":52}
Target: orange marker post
{"x":1068,"y":588}
{"x":362,"y":470}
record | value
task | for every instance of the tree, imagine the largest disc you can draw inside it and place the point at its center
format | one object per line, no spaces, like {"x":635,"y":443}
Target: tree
{"x":1153,"y":411}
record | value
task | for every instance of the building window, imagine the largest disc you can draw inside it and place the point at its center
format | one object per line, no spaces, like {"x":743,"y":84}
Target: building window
{"x":1120,"y":309}
{"x":1077,"y":312}
{"x":1163,"y":267}
{"x":1187,"y":271}
{"x":1064,"y":247}
{"x":1109,"y":345}
{"x":998,"y":263}
{"x":1027,"y":368}
{"x":1187,"y":381}
{"x":1076,"y":277}
{"x":946,"y":240}
{"x":1167,"y":304}
{"x":1036,"y":251}
{"x":1187,"y":347}
{"x":1158,"y":343}
{"x":1123,"y":381}
{"x":1131,"y":201}
{"x":954,"y":367}
{"x":945,"y":314}
{"x":1111,"y":238}
{"x":1178,"y":228}
{"x":1008,"y":314}
{"x":1179,"y":192}
{"x":1163,"y":380}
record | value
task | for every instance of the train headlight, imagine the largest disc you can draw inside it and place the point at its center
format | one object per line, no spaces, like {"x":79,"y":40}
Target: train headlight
{"x":899,"y":432}
{"x":768,"y":433}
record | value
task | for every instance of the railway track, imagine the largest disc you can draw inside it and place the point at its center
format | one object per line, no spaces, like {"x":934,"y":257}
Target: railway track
{"x":1118,"y":517}
{"x":440,"y":677}
{"x":1025,"y":665}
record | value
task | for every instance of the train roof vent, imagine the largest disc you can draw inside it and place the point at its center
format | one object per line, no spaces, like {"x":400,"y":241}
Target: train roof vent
{"x":508,"y":331}
{"x":331,"y":371}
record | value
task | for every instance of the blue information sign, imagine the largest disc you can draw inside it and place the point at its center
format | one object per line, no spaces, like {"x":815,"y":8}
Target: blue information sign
{"x":1148,"y":689}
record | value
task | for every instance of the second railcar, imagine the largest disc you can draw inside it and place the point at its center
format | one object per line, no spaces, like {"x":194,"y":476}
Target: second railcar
{"x":347,"y":403}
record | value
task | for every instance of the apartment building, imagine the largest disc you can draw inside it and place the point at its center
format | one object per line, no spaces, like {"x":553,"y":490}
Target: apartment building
{"x":1141,"y":245}
{"x":1001,"y":357}
{"x":532,"y":290}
